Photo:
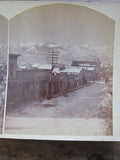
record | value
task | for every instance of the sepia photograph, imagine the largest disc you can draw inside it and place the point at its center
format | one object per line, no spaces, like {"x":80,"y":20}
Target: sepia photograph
{"x":3,"y":65}
{"x":60,"y":68}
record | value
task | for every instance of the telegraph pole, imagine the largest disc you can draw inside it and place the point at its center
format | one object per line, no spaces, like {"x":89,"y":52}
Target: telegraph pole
{"x":52,"y":58}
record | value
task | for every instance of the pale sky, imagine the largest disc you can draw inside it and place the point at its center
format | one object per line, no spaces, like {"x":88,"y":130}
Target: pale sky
{"x":62,"y":24}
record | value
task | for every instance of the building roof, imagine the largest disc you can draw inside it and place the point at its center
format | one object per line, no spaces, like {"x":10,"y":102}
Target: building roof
{"x":22,"y":67}
{"x":56,"y":70}
{"x":45,"y":66}
{"x":85,"y":63}
{"x":90,"y":68}
{"x":36,"y":65}
{"x":70,"y":69}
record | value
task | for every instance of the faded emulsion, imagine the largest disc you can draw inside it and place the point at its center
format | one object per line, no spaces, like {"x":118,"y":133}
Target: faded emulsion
{"x":60,"y":66}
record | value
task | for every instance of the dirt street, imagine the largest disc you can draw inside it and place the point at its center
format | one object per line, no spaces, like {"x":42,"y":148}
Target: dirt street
{"x":90,"y":106}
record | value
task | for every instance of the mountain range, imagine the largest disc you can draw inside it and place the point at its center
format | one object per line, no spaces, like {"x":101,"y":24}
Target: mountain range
{"x":37,"y":53}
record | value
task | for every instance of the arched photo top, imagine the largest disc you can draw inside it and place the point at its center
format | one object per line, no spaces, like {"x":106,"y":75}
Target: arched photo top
{"x":98,"y":8}
{"x":50,"y":23}
{"x":15,"y":8}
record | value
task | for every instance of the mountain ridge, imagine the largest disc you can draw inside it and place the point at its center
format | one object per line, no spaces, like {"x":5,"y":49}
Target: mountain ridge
{"x":66,"y":53}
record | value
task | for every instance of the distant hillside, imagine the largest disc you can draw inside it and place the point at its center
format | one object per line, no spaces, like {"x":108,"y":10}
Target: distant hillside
{"x":37,"y":53}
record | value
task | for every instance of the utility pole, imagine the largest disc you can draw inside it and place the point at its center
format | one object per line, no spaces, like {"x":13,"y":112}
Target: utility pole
{"x":52,"y":58}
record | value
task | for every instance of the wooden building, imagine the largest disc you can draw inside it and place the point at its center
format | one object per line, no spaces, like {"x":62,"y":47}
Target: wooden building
{"x":45,"y":82}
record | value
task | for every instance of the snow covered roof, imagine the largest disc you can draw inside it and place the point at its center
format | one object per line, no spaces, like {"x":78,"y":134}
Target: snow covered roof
{"x":45,"y":66}
{"x":22,"y":67}
{"x":70,"y":69}
{"x":87,"y":65}
{"x":90,"y":68}
{"x":36,"y":65}
{"x":56,"y":70}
